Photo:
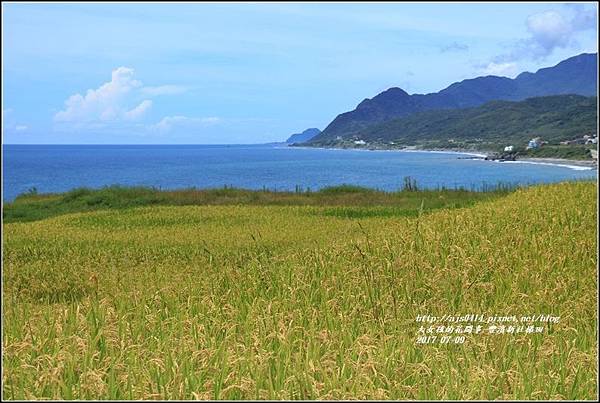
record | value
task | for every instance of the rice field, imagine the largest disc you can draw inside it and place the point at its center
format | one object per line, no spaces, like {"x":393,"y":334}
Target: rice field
{"x":305,"y":301}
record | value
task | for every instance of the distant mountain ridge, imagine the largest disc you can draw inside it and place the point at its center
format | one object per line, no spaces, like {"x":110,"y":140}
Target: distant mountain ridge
{"x":555,"y":118}
{"x":305,"y":136}
{"x":576,"y":75}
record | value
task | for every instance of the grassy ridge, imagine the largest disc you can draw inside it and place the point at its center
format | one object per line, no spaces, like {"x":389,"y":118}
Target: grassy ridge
{"x":292,"y":301}
{"x":32,"y":206}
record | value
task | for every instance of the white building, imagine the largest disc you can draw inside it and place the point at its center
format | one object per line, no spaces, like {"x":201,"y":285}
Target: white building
{"x":534,"y":143}
{"x":360,"y":142}
{"x":508,"y":149}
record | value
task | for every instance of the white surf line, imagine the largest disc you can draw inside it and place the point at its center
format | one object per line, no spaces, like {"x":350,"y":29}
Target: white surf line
{"x":574,"y":167}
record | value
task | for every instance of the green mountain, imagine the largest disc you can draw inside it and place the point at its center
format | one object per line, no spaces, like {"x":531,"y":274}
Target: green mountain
{"x":306,"y":135}
{"x":494,"y":124}
{"x":576,"y":75}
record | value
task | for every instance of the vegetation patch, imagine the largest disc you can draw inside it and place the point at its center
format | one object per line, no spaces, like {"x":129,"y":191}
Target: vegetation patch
{"x":32,"y":206}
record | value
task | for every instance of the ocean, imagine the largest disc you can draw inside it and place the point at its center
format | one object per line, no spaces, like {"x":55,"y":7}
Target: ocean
{"x":58,"y":168}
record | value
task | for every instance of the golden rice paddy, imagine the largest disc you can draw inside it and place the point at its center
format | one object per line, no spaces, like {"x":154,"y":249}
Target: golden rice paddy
{"x":294,"y":302}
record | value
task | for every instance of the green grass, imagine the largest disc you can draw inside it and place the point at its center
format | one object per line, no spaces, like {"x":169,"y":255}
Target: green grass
{"x":290,"y":299}
{"x":32,"y":206}
{"x":571,"y":152}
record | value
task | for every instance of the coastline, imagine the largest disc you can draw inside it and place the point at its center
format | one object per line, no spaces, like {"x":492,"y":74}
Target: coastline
{"x":578,"y":165}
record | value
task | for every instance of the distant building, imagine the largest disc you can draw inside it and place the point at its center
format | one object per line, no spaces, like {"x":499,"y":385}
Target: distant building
{"x":585,"y":139}
{"x":534,"y":143}
{"x":360,"y":142}
{"x":508,"y":149}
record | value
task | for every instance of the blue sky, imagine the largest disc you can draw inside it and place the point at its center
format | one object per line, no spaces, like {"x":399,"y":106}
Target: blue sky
{"x":201,"y":73}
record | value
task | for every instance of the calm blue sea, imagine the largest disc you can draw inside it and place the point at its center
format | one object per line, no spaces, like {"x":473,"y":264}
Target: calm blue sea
{"x":57,"y":168}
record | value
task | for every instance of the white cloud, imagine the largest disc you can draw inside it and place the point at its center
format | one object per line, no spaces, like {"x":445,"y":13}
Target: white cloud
{"x":171,"y":122}
{"x":21,"y":128}
{"x":108,"y":102}
{"x":120,"y":105}
{"x":137,"y":112}
{"x":164,"y":90}
{"x":500,"y":69}
{"x":550,"y":30}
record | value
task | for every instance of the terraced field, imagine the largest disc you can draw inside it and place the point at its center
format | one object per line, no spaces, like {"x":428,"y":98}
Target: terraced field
{"x":305,"y":301}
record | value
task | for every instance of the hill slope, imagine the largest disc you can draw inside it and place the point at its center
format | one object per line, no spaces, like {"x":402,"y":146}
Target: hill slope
{"x":306,"y":135}
{"x":576,"y":75}
{"x":554,"y":118}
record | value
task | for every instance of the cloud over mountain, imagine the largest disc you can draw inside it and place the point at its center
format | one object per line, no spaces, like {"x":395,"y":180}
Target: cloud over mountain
{"x":550,"y":30}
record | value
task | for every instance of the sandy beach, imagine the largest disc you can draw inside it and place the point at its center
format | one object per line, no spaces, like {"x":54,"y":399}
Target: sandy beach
{"x":590,"y":164}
